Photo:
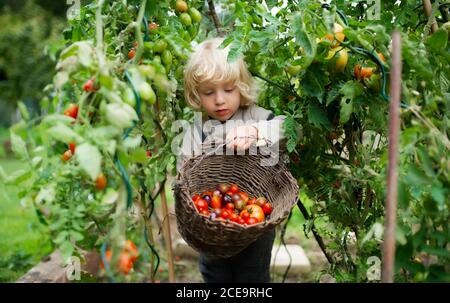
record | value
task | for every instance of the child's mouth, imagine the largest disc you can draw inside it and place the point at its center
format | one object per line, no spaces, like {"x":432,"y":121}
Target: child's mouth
{"x":222,"y":112}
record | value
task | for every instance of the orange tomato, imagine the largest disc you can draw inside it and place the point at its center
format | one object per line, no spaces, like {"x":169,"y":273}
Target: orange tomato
{"x":100,"y":182}
{"x":256,"y":212}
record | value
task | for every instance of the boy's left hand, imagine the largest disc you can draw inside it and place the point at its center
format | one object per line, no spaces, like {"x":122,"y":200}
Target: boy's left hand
{"x":242,"y":137}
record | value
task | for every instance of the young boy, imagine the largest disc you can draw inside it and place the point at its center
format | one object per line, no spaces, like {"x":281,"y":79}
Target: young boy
{"x":226,"y":94}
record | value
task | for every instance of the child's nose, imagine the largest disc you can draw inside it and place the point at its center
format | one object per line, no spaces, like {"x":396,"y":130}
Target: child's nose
{"x":220,"y":98}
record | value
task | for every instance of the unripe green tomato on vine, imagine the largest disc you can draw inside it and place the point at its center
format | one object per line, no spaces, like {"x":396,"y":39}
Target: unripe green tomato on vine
{"x":196,"y":16}
{"x":166,"y":57}
{"x":186,"y":20}
{"x":146,"y":92}
{"x":159,"y":46}
{"x":157,"y":60}
{"x":128,"y":97}
{"x":192,"y":31}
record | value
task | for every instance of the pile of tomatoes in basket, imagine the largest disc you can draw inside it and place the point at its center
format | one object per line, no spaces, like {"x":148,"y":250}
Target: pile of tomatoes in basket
{"x":227,"y":202}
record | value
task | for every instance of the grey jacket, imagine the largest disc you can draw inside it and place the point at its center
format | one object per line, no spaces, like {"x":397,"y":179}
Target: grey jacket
{"x":204,"y":131}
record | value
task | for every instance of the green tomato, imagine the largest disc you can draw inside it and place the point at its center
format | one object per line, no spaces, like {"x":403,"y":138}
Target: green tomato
{"x":195,"y":15}
{"x":159,"y":46}
{"x":157,"y":60}
{"x":293,"y":69}
{"x":192,"y":31}
{"x":128,"y":97}
{"x":147,"y":93}
{"x":186,"y":19}
{"x":166,"y":57}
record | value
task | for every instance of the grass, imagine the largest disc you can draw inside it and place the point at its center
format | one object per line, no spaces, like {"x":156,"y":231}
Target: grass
{"x":23,"y":239}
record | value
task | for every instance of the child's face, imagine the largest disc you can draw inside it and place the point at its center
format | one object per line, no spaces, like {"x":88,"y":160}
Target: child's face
{"x":219,"y":100}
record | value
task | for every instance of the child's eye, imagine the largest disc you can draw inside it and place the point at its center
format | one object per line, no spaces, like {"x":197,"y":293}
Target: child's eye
{"x":229,"y":90}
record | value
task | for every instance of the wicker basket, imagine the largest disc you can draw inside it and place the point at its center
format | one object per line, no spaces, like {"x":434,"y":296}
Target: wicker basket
{"x":225,"y":238}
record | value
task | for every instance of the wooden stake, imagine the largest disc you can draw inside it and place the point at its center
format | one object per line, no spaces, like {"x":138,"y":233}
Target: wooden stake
{"x":392,"y":177}
{"x":167,"y":235}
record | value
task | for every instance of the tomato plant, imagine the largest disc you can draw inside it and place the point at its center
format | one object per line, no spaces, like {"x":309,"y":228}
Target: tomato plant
{"x":325,"y":68}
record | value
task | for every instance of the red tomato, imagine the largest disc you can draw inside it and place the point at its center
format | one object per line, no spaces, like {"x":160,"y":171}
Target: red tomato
{"x":251,"y":201}
{"x":89,"y":85}
{"x":229,"y":206}
{"x":225,"y":214}
{"x":72,"y":147}
{"x":131,"y":53}
{"x":244,"y":214}
{"x":125,"y":263}
{"x":72,"y":111}
{"x":251,"y":221}
{"x":195,"y":197}
{"x":149,"y":154}
{"x":205,"y":212}
{"x":267,"y":208}
{"x":255,"y":212}
{"x":241,"y":221}
{"x":201,"y":204}
{"x":131,"y":249}
{"x":234,"y":188}
{"x":234,"y":217}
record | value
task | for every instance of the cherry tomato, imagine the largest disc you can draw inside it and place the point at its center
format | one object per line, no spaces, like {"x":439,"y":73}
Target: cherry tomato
{"x":267,"y":208}
{"x":131,"y":53}
{"x":225,"y":214}
{"x":261,"y":201}
{"x":201,"y":204}
{"x":234,"y":188}
{"x":131,"y":249}
{"x":251,"y":221}
{"x":251,"y":201}
{"x":215,"y":202}
{"x":153,"y":27}
{"x":72,"y":111}
{"x":195,"y":197}
{"x":223,"y":188}
{"x":244,"y":214}
{"x":72,"y":147}
{"x":205,"y":212}
{"x":125,"y":263}
{"x":100,"y":182}
{"x":229,"y":206}
{"x":89,"y":85}
{"x":67,"y":155}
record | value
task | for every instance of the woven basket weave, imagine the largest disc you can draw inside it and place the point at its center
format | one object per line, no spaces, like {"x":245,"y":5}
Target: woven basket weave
{"x":225,"y":238}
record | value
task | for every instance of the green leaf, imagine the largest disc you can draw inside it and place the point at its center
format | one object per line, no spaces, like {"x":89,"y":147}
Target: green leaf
{"x":416,"y":176}
{"x":438,"y":40}
{"x":67,"y":250}
{"x":313,"y":83}
{"x":317,"y":116}
{"x":139,"y":155}
{"x":23,"y":111}
{"x":302,"y":38}
{"x":19,"y":176}
{"x":350,"y":91}
{"x":89,"y":159}
{"x":64,"y":134}
{"x":237,"y":49}
{"x":426,"y":162}
{"x":438,"y":193}
{"x":18,"y":146}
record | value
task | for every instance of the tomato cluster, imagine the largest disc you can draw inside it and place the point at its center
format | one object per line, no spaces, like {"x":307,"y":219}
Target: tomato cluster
{"x":228,"y":202}
{"x":127,"y":257}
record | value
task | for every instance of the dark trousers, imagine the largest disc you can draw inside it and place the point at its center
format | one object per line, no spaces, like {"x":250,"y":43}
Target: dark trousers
{"x":250,"y":265}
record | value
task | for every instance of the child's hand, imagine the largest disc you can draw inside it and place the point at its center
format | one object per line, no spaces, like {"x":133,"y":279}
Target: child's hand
{"x":242,"y":137}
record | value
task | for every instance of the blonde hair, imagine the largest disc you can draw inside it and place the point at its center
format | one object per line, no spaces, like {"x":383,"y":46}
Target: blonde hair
{"x":209,"y":63}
